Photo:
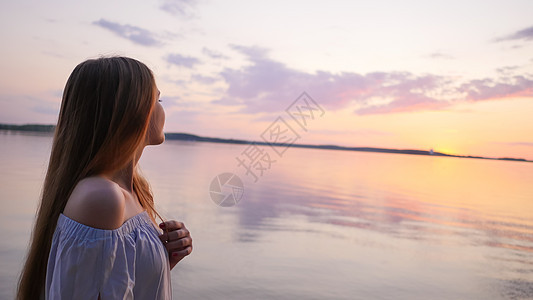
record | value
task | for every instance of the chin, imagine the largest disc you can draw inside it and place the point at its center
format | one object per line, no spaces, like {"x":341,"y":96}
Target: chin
{"x":162,"y":139}
{"x":159,"y":141}
{"x":156,"y":140}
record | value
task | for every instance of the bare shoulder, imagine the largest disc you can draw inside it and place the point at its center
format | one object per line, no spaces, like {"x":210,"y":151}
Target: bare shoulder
{"x":96,"y":202}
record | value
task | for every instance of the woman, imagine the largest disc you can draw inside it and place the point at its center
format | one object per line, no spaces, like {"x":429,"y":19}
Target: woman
{"x":95,"y":235}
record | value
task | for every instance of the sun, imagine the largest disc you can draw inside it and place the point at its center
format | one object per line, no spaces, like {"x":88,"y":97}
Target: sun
{"x":445,"y":150}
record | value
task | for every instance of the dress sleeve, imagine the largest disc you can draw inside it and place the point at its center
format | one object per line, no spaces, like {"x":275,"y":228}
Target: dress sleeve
{"x":86,"y":262}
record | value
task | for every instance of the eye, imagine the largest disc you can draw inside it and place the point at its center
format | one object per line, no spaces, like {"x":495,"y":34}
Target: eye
{"x":160,"y":100}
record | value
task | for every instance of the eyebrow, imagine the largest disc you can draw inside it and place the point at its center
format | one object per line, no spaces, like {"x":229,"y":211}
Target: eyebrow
{"x":158,"y":93}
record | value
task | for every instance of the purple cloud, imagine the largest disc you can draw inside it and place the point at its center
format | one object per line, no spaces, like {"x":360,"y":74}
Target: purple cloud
{"x":524,"y":34}
{"x":269,"y":86}
{"x":507,"y":70}
{"x":485,"y":89}
{"x":133,"y":33}
{"x":213,"y":54}
{"x":178,"y":7}
{"x":203,"y":79}
{"x":439,"y":55}
{"x":181,"y":60}
{"x":252,"y":52}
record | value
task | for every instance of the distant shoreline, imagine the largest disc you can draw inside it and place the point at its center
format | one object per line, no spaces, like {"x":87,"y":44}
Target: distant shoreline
{"x":195,"y":138}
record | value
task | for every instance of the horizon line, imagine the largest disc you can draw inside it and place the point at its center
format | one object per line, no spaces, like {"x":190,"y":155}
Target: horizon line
{"x":49,"y":128}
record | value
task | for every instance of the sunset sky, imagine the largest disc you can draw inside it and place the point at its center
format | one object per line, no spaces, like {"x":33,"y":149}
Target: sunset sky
{"x":455,"y":76}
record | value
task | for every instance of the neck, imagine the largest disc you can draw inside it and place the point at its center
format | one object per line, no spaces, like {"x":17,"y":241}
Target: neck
{"x":124,"y":176}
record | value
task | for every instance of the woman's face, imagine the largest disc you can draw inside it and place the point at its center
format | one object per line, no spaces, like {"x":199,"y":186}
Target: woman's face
{"x":155,"y":135}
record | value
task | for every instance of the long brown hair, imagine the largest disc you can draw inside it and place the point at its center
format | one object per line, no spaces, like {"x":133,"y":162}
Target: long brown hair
{"x":104,"y":116}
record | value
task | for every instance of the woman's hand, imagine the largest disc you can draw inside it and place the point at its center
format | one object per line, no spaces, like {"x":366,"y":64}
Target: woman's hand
{"x":177,"y":240}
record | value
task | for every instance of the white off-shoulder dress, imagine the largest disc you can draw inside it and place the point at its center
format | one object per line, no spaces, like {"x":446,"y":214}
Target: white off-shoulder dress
{"x":129,"y":262}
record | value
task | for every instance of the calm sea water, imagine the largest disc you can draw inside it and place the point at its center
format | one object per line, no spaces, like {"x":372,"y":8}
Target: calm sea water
{"x":318,"y":224}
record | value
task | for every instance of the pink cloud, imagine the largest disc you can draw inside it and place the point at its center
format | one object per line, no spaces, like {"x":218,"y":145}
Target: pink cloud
{"x":270,"y":86}
{"x":405,"y":104}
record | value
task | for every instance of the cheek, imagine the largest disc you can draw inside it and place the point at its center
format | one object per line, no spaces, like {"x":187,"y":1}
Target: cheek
{"x":155,"y":133}
{"x":159,"y":118}
{"x":156,"y":125}
{"x":163,"y":117}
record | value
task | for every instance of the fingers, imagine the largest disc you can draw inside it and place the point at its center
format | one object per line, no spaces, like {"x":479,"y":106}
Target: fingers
{"x":171,"y":225}
{"x":182,"y":253}
{"x":179,"y":244}
{"x":177,"y":241}
{"x":174,"y":235}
